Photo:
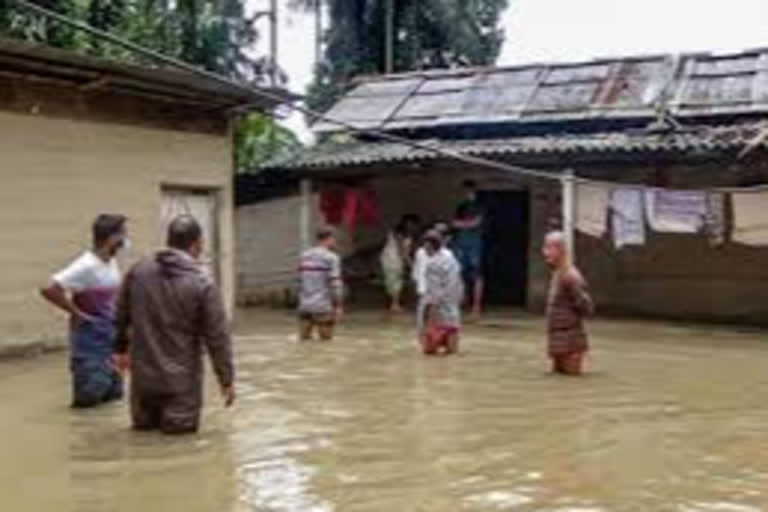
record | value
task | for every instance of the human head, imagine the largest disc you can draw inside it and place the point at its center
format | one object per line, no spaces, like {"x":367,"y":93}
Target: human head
{"x":554,"y":250}
{"x":433,"y":241}
{"x":109,"y":233}
{"x":409,"y":223}
{"x":470,"y":189}
{"x":185,"y":234}
{"x":441,"y":227}
{"x":326,"y":238}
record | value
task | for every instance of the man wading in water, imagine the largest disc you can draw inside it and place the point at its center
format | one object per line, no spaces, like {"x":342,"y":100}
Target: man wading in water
{"x":441,"y":302}
{"x":87,"y":289}
{"x":321,"y":291}
{"x":568,"y":303}
{"x":168,"y":310}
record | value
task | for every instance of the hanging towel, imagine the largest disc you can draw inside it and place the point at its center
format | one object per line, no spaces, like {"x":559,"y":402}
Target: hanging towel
{"x":332,"y":205}
{"x":368,"y":207}
{"x":750,"y":218}
{"x":676,"y":211}
{"x":592,"y":203}
{"x":628,"y":221}
{"x":351,"y":210}
{"x":714,"y":221}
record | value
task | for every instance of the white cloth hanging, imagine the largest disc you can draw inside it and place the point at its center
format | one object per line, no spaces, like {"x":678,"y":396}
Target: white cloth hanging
{"x":750,"y":218}
{"x":592,"y":202}
{"x":628,"y":219}
{"x":676,"y":211}
{"x":714,"y":221}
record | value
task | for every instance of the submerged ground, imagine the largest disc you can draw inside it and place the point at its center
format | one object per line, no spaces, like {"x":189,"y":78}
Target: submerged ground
{"x":670,"y":418}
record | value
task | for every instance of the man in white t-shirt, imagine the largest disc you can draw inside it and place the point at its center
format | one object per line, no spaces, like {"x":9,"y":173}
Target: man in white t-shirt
{"x":87,"y":290}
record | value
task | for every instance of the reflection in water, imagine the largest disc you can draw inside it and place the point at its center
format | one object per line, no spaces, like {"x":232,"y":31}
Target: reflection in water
{"x":671,"y":418}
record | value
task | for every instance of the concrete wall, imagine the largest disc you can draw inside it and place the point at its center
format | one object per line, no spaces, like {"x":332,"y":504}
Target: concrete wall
{"x":58,"y":174}
{"x":268,"y":245}
{"x":675,"y":276}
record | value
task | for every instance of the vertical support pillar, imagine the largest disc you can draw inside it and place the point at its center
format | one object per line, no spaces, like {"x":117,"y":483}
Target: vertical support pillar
{"x":305,"y":213}
{"x":569,"y":212}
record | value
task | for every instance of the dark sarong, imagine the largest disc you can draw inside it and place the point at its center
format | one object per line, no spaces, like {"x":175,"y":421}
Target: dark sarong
{"x":94,"y":380}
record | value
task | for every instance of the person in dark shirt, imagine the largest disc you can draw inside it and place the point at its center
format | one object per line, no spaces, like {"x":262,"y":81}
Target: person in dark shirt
{"x":467,"y":245}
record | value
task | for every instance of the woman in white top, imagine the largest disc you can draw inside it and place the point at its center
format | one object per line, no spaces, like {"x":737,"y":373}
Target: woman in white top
{"x":396,"y":257}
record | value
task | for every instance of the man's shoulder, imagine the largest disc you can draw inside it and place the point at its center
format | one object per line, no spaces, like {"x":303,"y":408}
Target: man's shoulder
{"x":573,"y":276}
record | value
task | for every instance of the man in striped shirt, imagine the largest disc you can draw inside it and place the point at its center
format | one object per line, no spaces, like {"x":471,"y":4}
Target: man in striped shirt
{"x":320,"y":289}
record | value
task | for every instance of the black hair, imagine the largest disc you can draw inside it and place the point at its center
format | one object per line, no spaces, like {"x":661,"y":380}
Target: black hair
{"x":183,"y":231}
{"x":323,"y":234}
{"x":434,"y":239}
{"x":405,"y":220}
{"x":106,"y":225}
{"x":470,"y":184}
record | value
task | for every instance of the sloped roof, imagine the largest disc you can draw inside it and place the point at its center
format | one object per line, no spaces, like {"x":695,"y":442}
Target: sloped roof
{"x":67,"y":67}
{"x":725,"y":139}
{"x":691,"y":85}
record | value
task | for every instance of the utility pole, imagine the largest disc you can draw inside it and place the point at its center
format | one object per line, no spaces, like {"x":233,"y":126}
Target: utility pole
{"x":273,"y":41}
{"x":274,"y":73}
{"x":389,"y":36}
{"x":318,"y":31}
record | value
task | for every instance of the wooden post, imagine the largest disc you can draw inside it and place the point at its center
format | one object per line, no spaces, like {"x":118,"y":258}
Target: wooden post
{"x":305,"y":214}
{"x":569,"y":212}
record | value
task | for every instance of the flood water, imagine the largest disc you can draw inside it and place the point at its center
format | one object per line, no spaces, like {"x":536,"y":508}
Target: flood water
{"x":670,"y":418}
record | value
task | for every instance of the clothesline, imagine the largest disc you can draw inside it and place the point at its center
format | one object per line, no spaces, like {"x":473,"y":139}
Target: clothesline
{"x":638,"y":186}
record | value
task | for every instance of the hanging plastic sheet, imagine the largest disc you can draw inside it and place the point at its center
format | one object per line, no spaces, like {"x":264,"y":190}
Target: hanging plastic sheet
{"x":750,"y":218}
{"x":714,"y":220}
{"x":628,"y":217}
{"x":676,"y":211}
{"x":592,"y":203}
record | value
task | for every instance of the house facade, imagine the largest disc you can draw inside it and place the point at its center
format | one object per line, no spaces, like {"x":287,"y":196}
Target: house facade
{"x":690,"y":122}
{"x":81,"y":136}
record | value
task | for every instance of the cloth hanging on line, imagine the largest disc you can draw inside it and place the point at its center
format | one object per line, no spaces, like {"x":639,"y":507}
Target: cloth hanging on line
{"x":714,"y":220}
{"x":628,"y":219}
{"x":750,"y":218}
{"x":360,"y":206}
{"x":332,"y":205}
{"x":592,"y":203}
{"x":349,"y":206}
{"x":676,"y":211}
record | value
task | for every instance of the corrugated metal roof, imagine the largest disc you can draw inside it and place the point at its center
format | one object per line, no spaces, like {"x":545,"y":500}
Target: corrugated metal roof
{"x":358,"y":153}
{"x":689,"y":85}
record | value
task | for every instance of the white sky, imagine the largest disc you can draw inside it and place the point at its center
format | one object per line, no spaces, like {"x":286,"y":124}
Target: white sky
{"x":569,"y":30}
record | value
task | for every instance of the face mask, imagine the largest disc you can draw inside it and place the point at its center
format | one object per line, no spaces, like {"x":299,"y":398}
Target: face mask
{"x":121,"y":246}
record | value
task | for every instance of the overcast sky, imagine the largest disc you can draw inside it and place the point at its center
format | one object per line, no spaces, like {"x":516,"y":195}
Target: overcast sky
{"x":567,"y":30}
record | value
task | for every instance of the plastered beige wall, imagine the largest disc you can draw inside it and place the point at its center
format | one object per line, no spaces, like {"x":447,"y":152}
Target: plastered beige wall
{"x":58,"y":174}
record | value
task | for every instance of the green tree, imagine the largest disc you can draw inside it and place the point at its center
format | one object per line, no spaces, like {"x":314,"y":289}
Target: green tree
{"x":427,"y":34}
{"x":258,"y":138}
{"x":213,"y":34}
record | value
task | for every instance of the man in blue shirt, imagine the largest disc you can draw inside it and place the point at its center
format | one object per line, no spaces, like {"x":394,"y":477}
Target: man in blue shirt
{"x":467,"y":245}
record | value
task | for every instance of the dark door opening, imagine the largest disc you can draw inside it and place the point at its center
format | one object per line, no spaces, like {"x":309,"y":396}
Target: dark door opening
{"x":506,"y":236}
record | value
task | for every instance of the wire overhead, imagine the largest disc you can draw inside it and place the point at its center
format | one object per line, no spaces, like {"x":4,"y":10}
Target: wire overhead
{"x":566,"y":175}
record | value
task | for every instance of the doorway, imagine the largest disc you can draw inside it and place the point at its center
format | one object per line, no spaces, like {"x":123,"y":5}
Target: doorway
{"x":506,"y":238}
{"x":202,"y":204}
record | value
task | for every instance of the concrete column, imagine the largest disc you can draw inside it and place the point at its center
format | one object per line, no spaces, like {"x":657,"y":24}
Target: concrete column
{"x":569,"y":211}
{"x":305,"y":214}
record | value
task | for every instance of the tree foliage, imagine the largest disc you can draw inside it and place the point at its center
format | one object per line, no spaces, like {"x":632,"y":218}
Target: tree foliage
{"x":213,"y":34}
{"x":258,"y":138}
{"x":428,"y":34}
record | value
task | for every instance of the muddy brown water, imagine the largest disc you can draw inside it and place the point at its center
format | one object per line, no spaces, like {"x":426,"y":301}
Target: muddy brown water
{"x":670,"y":418}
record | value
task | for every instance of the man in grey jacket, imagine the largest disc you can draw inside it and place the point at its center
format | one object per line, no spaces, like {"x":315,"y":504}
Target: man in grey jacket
{"x":168,"y":310}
